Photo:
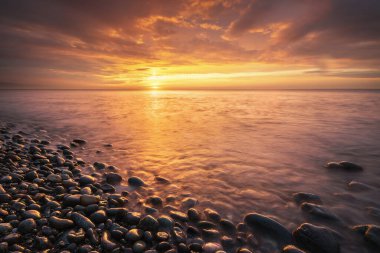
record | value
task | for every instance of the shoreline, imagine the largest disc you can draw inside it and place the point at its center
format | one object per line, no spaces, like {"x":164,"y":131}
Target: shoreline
{"x":48,"y":202}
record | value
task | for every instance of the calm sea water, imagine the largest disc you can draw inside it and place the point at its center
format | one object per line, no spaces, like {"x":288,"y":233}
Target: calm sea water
{"x":235,"y":151}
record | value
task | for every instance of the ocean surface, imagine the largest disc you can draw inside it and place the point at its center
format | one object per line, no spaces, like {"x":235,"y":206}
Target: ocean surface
{"x":235,"y":151}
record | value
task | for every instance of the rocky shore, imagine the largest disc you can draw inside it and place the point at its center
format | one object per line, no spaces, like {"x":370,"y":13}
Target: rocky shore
{"x":49,"y":204}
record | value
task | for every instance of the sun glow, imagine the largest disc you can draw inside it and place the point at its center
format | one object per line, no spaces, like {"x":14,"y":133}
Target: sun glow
{"x":154,"y":80}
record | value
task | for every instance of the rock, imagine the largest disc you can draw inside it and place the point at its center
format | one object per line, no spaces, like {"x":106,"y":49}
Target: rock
{"x":71,"y":200}
{"x":86,"y":180}
{"x":134,"y":235}
{"x":26,"y":226}
{"x":80,"y":141}
{"x":301,"y":197}
{"x":139,"y":247}
{"x":31,"y":175}
{"x":371,"y":233}
{"x":346,"y":166}
{"x":227,"y":226}
{"x":317,"y":238}
{"x":41,"y":242}
{"x":5,"y":198}
{"x":5,"y":228}
{"x":154,"y":200}
{"x":318,"y":211}
{"x":193,"y":215}
{"x":135,"y":182}
{"x":357,"y":186}
{"x":241,"y":250}
{"x":106,"y":243}
{"x":82,"y":221}
{"x":113,"y":178}
{"x":148,"y":223}
{"x":212,"y":215}
{"x":100,"y":166}
{"x":211,"y":247}
{"x":162,"y":180}
{"x":165,"y":222}
{"x":34,"y":214}
{"x":60,"y":224}
{"x":292,"y":249}
{"x":274,"y":228}
{"x":210,"y":234}
{"x":86,"y":199}
{"x":189,"y":203}
{"x":54,"y":178}
{"x":179,"y":216}
{"x":98,"y":216}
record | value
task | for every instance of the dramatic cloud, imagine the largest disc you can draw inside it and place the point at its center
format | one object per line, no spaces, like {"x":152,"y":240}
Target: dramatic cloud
{"x":131,"y":44}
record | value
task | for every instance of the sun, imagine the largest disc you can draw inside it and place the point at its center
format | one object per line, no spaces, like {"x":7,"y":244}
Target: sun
{"x":154,"y":80}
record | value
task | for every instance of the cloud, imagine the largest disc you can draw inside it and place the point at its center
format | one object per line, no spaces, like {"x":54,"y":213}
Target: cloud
{"x":76,"y":41}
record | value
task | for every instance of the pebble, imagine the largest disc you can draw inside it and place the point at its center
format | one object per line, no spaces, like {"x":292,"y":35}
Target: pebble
{"x":371,"y":233}
{"x":301,"y":197}
{"x":34,"y":214}
{"x":86,"y":180}
{"x":82,"y":221}
{"x":106,"y":242}
{"x":113,"y":178}
{"x":317,"y":238}
{"x":26,"y":226}
{"x":318,"y":211}
{"x":134,"y":235}
{"x":292,"y":249}
{"x":135,"y":182}
{"x":60,"y":224}
{"x":346,"y":166}
{"x":148,"y":223}
{"x":211,"y":247}
{"x":274,"y":228}
{"x":87,"y":199}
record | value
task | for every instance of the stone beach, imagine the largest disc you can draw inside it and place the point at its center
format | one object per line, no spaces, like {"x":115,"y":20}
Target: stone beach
{"x":49,"y":202}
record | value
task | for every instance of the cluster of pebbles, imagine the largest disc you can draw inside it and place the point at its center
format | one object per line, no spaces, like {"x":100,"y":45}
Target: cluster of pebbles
{"x":48,"y":204}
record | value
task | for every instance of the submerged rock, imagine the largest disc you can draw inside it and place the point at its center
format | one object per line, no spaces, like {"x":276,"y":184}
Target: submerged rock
{"x":275,"y":229}
{"x":317,"y":239}
{"x":371,"y":233}
{"x":301,"y":197}
{"x":135,"y":182}
{"x":318,"y":211}
{"x":346,"y":166}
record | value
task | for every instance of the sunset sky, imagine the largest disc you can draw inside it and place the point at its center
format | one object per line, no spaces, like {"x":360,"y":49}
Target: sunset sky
{"x":190,"y":44}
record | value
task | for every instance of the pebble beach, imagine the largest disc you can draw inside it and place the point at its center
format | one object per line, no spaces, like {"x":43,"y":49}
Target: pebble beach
{"x":51,"y":202}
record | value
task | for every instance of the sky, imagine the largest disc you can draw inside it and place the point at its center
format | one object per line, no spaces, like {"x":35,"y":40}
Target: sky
{"x":190,"y":44}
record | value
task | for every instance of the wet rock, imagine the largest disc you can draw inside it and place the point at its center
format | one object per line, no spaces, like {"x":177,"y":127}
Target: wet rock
{"x":82,"y":221}
{"x":12,"y":238}
{"x":227,"y":226}
{"x":26,"y":226}
{"x":274,"y":228}
{"x":86,"y":180}
{"x":318,"y":211}
{"x":210,"y":234}
{"x":135,"y":182}
{"x":113,"y":178}
{"x":34,"y":214}
{"x":5,"y":228}
{"x":79,"y":141}
{"x":100,"y":166}
{"x":99,"y":217}
{"x":162,"y":180}
{"x":212,"y":215}
{"x":162,"y":236}
{"x":139,"y":247}
{"x":346,"y":166}
{"x":31,"y":175}
{"x":165,"y":222}
{"x":193,"y":215}
{"x":155,"y":201}
{"x":357,"y":186}
{"x":211,"y":247}
{"x":179,"y":216}
{"x":133,"y":218}
{"x":371,"y":233}
{"x":71,"y":200}
{"x":5,"y":198}
{"x":242,"y":250}
{"x":148,"y":223}
{"x":41,"y":242}
{"x":301,"y":197}
{"x":107,"y":188}
{"x":317,"y":238}
{"x":189,"y":203}
{"x":60,"y":224}
{"x":106,"y":242}
{"x":54,"y":178}
{"x":86,"y":199}
{"x":292,"y":249}
{"x":134,"y":235}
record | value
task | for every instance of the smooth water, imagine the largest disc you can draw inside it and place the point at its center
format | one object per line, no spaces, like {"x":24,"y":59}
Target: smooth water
{"x":235,"y":151}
